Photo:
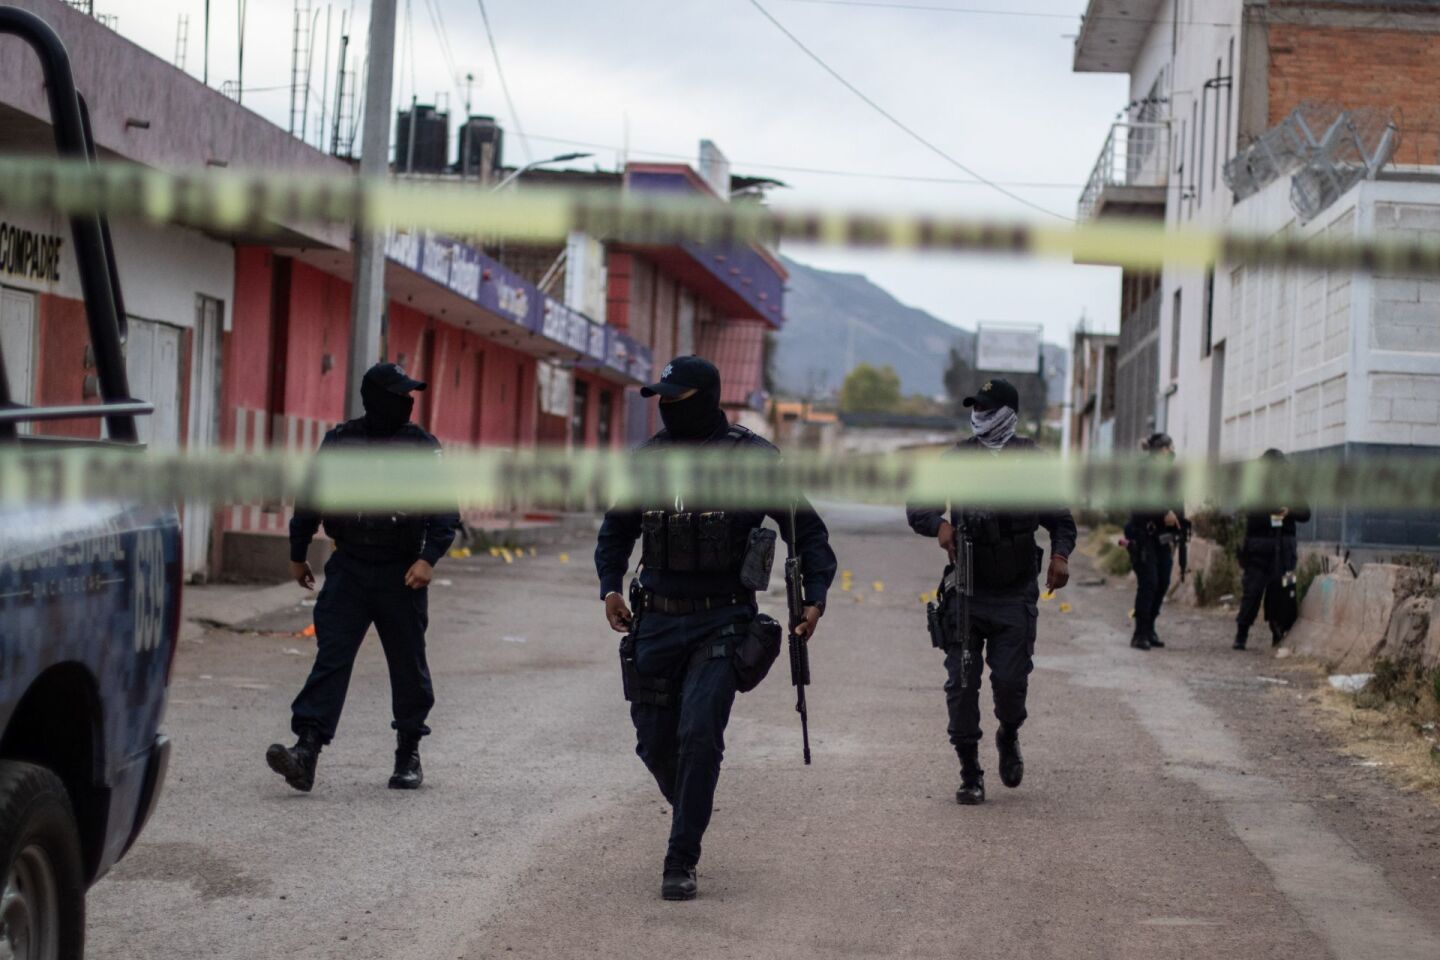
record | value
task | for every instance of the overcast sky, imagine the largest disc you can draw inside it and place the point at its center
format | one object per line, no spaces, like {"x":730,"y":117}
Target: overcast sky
{"x":993,"y":90}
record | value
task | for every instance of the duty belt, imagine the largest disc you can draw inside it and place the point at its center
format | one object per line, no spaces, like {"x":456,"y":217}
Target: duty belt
{"x":681,"y":606}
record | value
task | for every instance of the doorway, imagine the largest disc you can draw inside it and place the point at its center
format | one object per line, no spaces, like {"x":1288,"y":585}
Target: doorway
{"x":152,"y":364}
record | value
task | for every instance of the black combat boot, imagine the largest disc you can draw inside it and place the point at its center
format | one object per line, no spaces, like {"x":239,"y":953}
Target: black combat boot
{"x":1277,"y":637}
{"x":1154,"y":640}
{"x":1241,"y":635}
{"x":407,"y":775}
{"x":678,"y":883}
{"x":1140,"y":641}
{"x":297,"y":764}
{"x":972,"y":778}
{"x":1012,"y":765}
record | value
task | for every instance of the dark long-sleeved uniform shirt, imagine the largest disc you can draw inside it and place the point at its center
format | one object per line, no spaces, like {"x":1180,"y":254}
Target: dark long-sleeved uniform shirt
{"x":622,"y":528}
{"x":1267,"y":544}
{"x":437,"y":529}
{"x":925,"y":519}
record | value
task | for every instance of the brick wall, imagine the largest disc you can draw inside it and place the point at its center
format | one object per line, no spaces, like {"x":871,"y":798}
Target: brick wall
{"x":1355,"y":66}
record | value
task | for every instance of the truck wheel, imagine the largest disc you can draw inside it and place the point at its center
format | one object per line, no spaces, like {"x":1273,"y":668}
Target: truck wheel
{"x":42,"y":901}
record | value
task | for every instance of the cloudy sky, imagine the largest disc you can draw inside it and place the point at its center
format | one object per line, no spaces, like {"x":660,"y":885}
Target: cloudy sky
{"x":987,"y":81}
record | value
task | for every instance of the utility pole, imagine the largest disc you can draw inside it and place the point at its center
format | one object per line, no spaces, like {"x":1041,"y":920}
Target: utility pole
{"x":368,"y":297}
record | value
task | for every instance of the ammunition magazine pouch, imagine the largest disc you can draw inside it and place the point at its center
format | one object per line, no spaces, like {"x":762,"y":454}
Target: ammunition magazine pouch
{"x":709,"y":542}
{"x":758,"y":561}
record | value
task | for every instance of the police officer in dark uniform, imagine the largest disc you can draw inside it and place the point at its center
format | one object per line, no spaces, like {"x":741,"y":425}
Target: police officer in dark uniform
{"x":1268,"y":557}
{"x":692,"y":603}
{"x":1151,"y":537}
{"x":1002,"y":605}
{"x":379,"y":573}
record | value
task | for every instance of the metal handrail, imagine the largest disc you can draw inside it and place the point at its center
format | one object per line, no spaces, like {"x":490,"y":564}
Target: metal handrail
{"x":1134,"y":155}
{"x":79,"y":411}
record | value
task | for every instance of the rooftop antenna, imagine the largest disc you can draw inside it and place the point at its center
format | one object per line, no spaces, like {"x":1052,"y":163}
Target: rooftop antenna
{"x":182,"y":40}
{"x":325,"y":79}
{"x":299,"y":64}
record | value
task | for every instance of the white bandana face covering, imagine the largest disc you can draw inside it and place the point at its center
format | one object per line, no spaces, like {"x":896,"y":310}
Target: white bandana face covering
{"x":994,"y":428}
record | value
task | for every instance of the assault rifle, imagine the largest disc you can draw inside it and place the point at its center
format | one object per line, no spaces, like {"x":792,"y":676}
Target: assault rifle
{"x":799,"y":653}
{"x":964,"y":589}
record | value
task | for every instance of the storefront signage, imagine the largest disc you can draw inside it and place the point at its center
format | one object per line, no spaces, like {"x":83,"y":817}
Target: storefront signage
{"x":25,"y":253}
{"x":481,"y":280}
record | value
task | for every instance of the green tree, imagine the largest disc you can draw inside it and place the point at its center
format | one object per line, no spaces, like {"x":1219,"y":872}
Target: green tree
{"x":869,"y":389}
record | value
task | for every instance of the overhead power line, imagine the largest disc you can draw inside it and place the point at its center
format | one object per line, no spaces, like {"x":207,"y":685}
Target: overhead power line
{"x":991,"y":12}
{"x":899,"y":124}
{"x":822,"y":171}
{"x":505,"y":87}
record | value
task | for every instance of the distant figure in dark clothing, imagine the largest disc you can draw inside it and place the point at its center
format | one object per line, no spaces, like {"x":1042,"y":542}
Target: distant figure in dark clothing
{"x":1268,"y":557}
{"x":1151,"y":536}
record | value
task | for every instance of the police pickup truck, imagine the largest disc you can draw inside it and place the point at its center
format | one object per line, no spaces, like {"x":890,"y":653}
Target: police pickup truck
{"x":89,"y":619}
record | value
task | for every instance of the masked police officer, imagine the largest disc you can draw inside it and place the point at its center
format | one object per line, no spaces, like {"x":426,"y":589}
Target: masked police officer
{"x":379,"y":573}
{"x":693,"y":599}
{"x":1005,"y":562}
{"x":1151,"y":537}
{"x":1268,"y":557}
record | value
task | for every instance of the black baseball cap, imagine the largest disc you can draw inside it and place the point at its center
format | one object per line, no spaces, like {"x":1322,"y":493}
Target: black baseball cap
{"x":682,"y":374}
{"x":392,"y":377}
{"x":995,"y":393}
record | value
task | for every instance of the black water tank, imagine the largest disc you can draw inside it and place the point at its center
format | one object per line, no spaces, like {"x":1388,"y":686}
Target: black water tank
{"x":479,"y":136}
{"x":432,"y":141}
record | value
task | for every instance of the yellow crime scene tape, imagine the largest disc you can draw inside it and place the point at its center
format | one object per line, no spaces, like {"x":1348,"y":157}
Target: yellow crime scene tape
{"x":675,"y":477}
{"x":255,"y":203}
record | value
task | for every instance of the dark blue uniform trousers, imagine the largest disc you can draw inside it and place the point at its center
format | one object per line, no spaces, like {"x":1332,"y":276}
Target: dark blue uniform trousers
{"x":1004,"y":630}
{"x":1152,"y":580}
{"x":356,"y":595}
{"x":683,"y":745}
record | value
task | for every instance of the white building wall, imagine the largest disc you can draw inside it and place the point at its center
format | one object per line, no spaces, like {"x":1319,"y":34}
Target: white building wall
{"x":1323,"y":358}
{"x":1182,"y":50}
{"x":162,"y":269}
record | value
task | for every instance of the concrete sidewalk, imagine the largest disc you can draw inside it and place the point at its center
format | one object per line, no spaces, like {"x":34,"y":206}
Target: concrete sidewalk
{"x":226,"y":606}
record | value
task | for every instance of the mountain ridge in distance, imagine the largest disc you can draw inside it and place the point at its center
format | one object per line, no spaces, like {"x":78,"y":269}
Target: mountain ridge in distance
{"x":832,"y":316}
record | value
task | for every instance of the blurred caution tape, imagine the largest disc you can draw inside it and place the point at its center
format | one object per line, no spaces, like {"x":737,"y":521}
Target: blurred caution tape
{"x":261,"y":202}
{"x":697,"y":479}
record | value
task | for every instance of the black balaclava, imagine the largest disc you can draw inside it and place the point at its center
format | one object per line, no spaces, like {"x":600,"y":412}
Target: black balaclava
{"x":697,"y":417}
{"x":385,"y":412}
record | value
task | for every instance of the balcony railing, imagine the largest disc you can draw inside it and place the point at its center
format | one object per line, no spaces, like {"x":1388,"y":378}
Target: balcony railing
{"x":1134,"y":155}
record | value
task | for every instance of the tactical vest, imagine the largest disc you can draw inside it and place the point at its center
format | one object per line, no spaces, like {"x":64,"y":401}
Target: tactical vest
{"x":1003,"y":546}
{"x":391,"y":532}
{"x":696,"y":541}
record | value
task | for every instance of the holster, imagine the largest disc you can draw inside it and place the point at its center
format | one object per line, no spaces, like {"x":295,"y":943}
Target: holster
{"x":940,"y":615}
{"x":755,"y":651}
{"x":656,"y":691}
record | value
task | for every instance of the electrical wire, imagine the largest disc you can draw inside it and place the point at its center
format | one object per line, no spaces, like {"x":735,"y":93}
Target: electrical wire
{"x":822,"y":171}
{"x":437,"y":20}
{"x":918,"y":138}
{"x":504,"y":86}
{"x":991,"y":12}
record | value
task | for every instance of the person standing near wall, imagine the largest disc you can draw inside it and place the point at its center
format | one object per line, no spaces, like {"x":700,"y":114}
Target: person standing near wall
{"x":1151,"y":537}
{"x":1268,"y":557}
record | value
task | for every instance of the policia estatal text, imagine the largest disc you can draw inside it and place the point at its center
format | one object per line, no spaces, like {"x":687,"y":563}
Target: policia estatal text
{"x":379,"y":573}
{"x":988,"y":596}
{"x":694,"y":612}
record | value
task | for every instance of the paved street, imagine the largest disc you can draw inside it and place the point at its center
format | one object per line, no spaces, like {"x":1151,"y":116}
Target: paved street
{"x":1175,"y":804}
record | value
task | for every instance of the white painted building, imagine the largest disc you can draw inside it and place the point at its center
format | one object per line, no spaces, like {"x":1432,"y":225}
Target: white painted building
{"x":1163,"y":161}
